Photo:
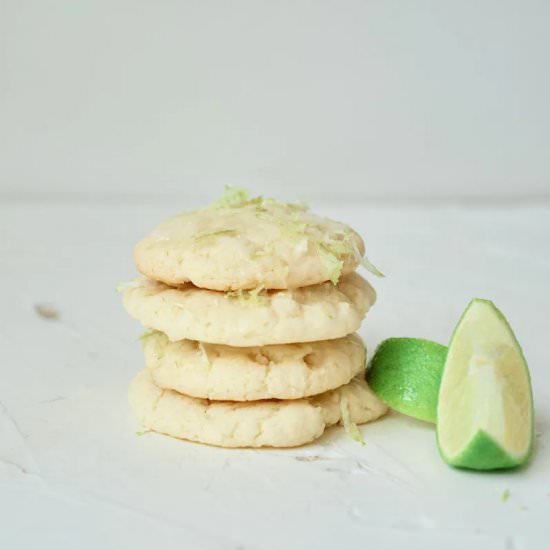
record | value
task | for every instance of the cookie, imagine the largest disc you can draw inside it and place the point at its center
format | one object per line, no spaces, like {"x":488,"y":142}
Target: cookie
{"x":243,"y":243}
{"x":269,"y":423}
{"x":251,"y":318}
{"x":286,"y":371}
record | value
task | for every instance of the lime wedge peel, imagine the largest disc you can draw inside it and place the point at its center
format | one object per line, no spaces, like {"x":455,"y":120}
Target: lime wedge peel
{"x":485,"y":417}
{"x":405,"y":373}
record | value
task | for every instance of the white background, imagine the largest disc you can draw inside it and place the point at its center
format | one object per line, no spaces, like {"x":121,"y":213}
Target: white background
{"x":425,"y":125}
{"x":74,"y":475}
{"x":355,"y":98}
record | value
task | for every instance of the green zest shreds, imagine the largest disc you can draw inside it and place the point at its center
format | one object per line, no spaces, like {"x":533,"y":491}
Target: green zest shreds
{"x":505,"y":495}
{"x":262,"y":204}
{"x":332,"y":263}
{"x":146,"y":334}
{"x":155,"y":341}
{"x":232,"y":197}
{"x":338,"y":247}
{"x":351,"y":427}
{"x":370,"y":267}
{"x":213,"y":234}
{"x":366,"y":263}
{"x":239,"y":197}
{"x":204,"y":354}
{"x":248,"y":298}
{"x":332,"y":249}
{"x":293,"y":228}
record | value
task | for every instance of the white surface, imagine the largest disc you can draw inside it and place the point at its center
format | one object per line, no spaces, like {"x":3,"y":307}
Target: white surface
{"x":363,"y":97}
{"x":73,"y":474}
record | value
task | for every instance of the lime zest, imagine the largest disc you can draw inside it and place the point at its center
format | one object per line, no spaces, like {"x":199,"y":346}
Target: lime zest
{"x":155,"y":342}
{"x":248,"y":298}
{"x":265,"y":203}
{"x":505,"y":495}
{"x":337,"y":246}
{"x":212,"y":234}
{"x":148,"y":332}
{"x":365,"y":262}
{"x":232,"y":197}
{"x":292,"y":228}
{"x":236,"y":294}
{"x":139,"y":434}
{"x":351,"y":427}
{"x":370,"y":267}
{"x":333,"y":264}
{"x":334,"y":249}
{"x":255,"y":296}
{"x":238,"y":197}
{"x":204,"y":354}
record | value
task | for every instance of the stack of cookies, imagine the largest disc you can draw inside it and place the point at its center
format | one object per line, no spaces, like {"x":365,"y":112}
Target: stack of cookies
{"x":251,"y":306}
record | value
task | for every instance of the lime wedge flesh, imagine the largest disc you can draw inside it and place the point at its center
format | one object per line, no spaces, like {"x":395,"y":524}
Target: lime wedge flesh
{"x":485,"y":407}
{"x":405,"y":373}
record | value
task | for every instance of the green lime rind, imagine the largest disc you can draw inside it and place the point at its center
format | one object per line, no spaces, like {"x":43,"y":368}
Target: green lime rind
{"x":482,"y":452}
{"x":406,"y":373}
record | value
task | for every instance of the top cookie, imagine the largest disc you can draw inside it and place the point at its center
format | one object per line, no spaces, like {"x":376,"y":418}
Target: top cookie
{"x":243,"y":243}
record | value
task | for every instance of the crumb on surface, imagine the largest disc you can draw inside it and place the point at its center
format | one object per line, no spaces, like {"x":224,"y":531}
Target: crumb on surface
{"x":47,"y":311}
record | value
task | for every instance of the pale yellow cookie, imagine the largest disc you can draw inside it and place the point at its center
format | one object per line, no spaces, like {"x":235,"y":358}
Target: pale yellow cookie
{"x":244,"y":243}
{"x":269,"y":423}
{"x":318,"y":312}
{"x":285,"y":371}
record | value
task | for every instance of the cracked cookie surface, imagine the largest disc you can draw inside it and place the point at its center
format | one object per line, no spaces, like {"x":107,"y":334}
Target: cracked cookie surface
{"x":286,"y":371}
{"x":312,"y":313}
{"x":249,"y":243}
{"x":268,"y":423}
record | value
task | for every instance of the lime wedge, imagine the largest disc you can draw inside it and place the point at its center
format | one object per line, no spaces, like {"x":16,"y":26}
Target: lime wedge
{"x":405,"y":373}
{"x":485,"y":410}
